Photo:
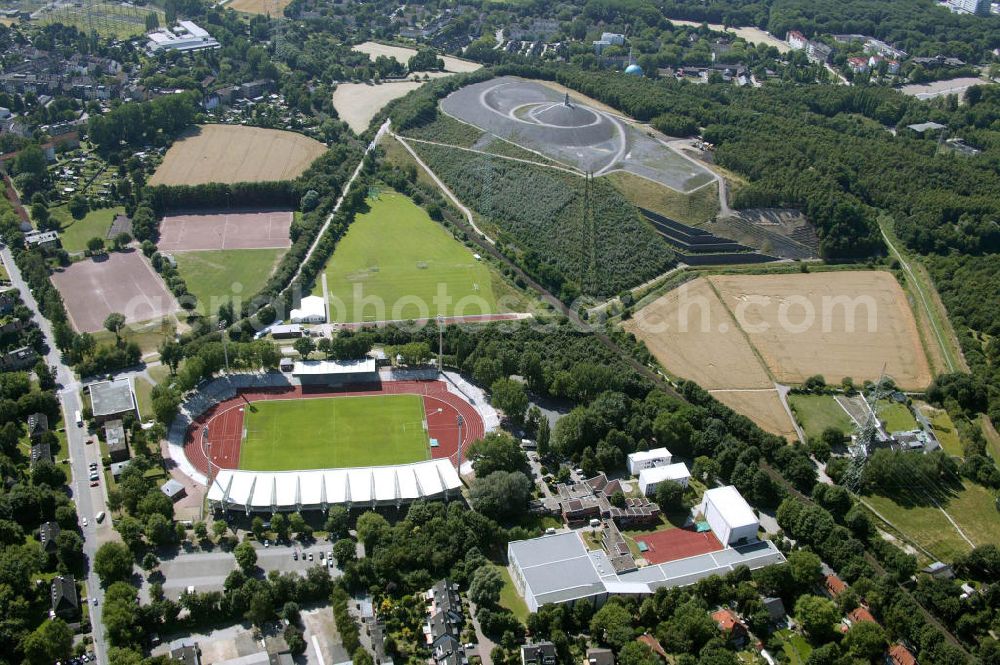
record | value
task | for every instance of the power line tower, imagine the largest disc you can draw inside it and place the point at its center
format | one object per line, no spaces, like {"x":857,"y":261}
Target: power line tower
{"x":866,"y":438}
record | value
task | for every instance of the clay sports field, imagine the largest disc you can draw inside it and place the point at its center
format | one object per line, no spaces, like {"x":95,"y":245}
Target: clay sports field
{"x":121,"y":282}
{"x":747,"y":332}
{"x":236,"y":153}
{"x":349,"y":442}
{"x":211,"y":231}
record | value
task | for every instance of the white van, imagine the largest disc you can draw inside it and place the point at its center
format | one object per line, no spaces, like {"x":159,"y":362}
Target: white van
{"x":79,"y":418}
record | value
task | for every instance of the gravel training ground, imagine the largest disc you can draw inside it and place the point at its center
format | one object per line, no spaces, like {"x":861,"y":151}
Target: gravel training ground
{"x":213,"y":231}
{"x":236,"y":153}
{"x":538,"y":118}
{"x":403,"y":55}
{"x":121,"y":282}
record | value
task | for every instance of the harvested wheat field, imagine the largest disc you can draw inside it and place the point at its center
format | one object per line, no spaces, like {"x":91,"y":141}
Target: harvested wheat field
{"x":761,"y":406}
{"x":403,"y":55}
{"x":274,"y":8}
{"x":236,"y":153}
{"x":693,"y":336}
{"x":358,"y":103}
{"x":837,"y":324}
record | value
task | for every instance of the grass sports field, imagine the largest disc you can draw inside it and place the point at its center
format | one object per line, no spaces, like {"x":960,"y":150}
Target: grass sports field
{"x":396,"y":257}
{"x":76,"y":232}
{"x":285,"y":435}
{"x":211,"y":275}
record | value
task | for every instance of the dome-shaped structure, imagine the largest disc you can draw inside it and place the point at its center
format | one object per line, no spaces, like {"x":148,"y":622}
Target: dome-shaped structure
{"x":633,"y":70}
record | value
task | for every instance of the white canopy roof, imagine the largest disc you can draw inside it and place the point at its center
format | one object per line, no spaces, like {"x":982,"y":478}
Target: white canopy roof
{"x":296,"y":490}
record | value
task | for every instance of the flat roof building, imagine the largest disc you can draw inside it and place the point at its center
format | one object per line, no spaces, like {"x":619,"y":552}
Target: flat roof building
{"x":560,"y":569}
{"x":650,"y":479}
{"x":729,"y":515}
{"x":114,"y":435}
{"x":186,"y":36}
{"x":174,"y":490}
{"x":646,"y":459}
{"x":112,"y":399}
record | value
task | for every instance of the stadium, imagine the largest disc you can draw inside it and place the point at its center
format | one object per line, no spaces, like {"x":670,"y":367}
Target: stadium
{"x":330,"y":434}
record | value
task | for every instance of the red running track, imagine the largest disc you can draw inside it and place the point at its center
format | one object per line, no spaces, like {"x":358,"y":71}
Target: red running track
{"x":225,"y":419}
{"x":673,"y":544}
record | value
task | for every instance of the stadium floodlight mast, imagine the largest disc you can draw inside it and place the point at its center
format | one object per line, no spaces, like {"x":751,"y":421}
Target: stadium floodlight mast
{"x":225,"y":349}
{"x":461,"y":421}
{"x":206,"y":449}
{"x":440,"y":322}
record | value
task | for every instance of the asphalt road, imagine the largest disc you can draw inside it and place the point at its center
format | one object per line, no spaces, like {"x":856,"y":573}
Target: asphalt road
{"x":89,"y":501}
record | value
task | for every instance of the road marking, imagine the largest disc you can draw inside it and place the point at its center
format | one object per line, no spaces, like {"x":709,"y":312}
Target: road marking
{"x":319,"y":654}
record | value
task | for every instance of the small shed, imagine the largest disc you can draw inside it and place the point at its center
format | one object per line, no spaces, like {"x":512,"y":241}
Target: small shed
{"x":174,"y":490}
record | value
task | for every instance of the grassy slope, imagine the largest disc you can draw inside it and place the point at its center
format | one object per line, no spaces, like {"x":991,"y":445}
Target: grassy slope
{"x":695,"y":208}
{"x":382,"y":253}
{"x":210,"y":275}
{"x":817,"y":412}
{"x":510,"y":599}
{"x":329,"y":433}
{"x":897,"y":417}
{"x":972,"y":508}
{"x":75,"y":233}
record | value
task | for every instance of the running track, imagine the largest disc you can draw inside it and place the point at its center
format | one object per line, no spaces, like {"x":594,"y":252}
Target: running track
{"x":225,"y":419}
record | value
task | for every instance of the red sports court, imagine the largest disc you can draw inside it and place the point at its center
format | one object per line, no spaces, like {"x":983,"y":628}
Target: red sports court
{"x":673,"y":544}
{"x":226,"y":230}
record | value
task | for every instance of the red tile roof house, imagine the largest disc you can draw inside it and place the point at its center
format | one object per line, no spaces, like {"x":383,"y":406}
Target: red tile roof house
{"x":731,"y":626}
{"x":834,"y":586}
{"x":653,"y":644}
{"x":899,"y":655}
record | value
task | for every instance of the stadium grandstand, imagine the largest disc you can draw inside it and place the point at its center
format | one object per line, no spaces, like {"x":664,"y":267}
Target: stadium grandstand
{"x":368,"y":487}
{"x":331,"y":373}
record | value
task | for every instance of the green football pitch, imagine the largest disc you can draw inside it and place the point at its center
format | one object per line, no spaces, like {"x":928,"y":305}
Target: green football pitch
{"x":327,"y":433}
{"x":392,"y":262}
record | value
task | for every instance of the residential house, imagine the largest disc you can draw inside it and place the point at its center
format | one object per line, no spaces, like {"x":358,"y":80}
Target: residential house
{"x":65,"y":601}
{"x":8,"y":299}
{"x":898,"y":654}
{"x":653,"y":644}
{"x":540,"y":653}
{"x":47,"y":534}
{"x":114,"y":436}
{"x":858,"y":65}
{"x":38,"y":424}
{"x":40,"y":452}
{"x":939,"y":570}
{"x":443,"y":628}
{"x":18,"y":359}
{"x":599,"y":657}
{"x":187,"y":654}
{"x":796,"y":40}
{"x":860,"y":614}
{"x":833,"y":586}
{"x":734,"y":631}
{"x":775,"y":609}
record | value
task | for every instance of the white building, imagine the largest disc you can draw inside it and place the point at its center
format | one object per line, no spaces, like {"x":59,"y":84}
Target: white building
{"x":312,"y":309}
{"x":647,"y":459}
{"x":729,"y":515}
{"x":649,"y":479}
{"x":185,"y":37}
{"x":977,"y":7}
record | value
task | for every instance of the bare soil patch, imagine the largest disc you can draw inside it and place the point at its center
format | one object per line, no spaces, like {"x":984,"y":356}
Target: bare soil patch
{"x":403,"y":55}
{"x":693,"y":336}
{"x":762,"y":407}
{"x":121,"y":282}
{"x":273,"y":8}
{"x":236,"y":153}
{"x":837,"y":324}
{"x":239,"y":230}
{"x":358,"y":103}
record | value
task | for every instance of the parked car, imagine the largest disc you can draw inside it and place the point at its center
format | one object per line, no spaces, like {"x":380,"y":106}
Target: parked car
{"x":99,"y":517}
{"x":85,"y":521}
{"x":295,"y":556}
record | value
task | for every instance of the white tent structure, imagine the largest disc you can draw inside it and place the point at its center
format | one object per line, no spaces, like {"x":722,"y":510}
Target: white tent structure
{"x":282,"y":491}
{"x":312,"y":309}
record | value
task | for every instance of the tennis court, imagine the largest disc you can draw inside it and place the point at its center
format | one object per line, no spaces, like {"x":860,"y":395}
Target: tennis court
{"x":225,"y":230}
